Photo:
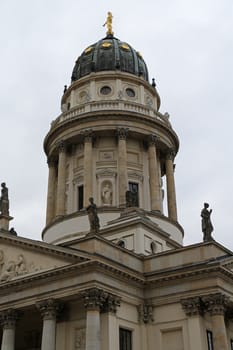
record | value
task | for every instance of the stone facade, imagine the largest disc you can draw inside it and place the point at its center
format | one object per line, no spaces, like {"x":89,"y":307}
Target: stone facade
{"x":131,"y":285}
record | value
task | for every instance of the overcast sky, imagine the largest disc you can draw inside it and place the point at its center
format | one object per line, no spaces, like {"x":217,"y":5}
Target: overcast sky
{"x":188,"y":47}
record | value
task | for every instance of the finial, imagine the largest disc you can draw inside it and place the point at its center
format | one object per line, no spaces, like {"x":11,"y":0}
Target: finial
{"x":108,"y":23}
{"x":153,"y":82}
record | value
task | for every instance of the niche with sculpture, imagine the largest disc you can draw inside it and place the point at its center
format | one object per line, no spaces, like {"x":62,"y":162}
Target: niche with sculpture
{"x":106,"y":193}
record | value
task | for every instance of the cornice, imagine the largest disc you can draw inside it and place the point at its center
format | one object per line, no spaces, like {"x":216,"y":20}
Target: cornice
{"x":44,"y":247}
{"x":118,"y":116}
{"x":187,"y":272}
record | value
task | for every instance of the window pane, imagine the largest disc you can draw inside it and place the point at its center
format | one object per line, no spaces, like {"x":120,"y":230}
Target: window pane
{"x":210,"y":340}
{"x":80,"y":197}
{"x":125,"y":339}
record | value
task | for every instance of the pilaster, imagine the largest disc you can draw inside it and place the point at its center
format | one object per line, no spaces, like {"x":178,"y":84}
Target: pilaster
{"x":88,"y":165}
{"x":50,"y":213}
{"x":154,"y":180}
{"x":171,"y":191}
{"x":61,"y":179}
{"x":122,"y":134}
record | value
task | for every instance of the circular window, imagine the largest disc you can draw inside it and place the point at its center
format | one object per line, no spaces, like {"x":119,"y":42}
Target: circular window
{"x":105,"y":90}
{"x":130,"y":92}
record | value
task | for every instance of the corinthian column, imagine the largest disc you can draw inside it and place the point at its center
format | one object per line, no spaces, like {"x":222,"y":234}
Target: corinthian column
{"x":216,"y":305}
{"x":154,"y":174}
{"x":122,"y":165}
{"x":8,"y":320}
{"x":49,"y":310}
{"x":88,"y":166}
{"x":109,"y":323}
{"x":193,"y":308}
{"x":94,"y":299}
{"x":51,"y":191}
{"x":61,"y":180}
{"x":171,"y":191}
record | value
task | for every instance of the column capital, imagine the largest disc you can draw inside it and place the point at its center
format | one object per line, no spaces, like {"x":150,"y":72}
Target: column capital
{"x":49,"y":309}
{"x":152,"y":139}
{"x":111,"y":303}
{"x":145,"y":312}
{"x":216,"y":304}
{"x":9,"y":317}
{"x":87,"y":135}
{"x":61,"y":146}
{"x":170,"y":154}
{"x":192,"y":306}
{"x":51,"y":161}
{"x":94,"y":298}
{"x":122,"y":133}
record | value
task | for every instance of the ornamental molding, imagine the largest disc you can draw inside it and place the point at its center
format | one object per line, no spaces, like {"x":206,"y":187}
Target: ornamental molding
{"x":108,"y":173}
{"x":80,"y":339}
{"x":98,"y":299}
{"x":216,"y":304}
{"x":87,"y":135}
{"x":192,"y":306}
{"x":116,"y":116}
{"x":170,"y":154}
{"x":8,"y":318}
{"x":49,"y":308}
{"x":152,"y":140}
{"x":122,"y":133}
{"x":61,"y":146}
{"x":135,"y":175}
{"x":145,"y":312}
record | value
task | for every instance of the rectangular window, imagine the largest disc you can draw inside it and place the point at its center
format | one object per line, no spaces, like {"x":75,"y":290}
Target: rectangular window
{"x":231,"y":344}
{"x":80,"y":197}
{"x":210,"y":340}
{"x":125,"y":339}
{"x":133,"y":187}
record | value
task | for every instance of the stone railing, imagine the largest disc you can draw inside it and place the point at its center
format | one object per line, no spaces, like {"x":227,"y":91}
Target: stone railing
{"x":78,"y":111}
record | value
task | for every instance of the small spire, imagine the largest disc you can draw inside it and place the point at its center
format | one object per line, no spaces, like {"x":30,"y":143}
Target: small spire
{"x":108,"y":23}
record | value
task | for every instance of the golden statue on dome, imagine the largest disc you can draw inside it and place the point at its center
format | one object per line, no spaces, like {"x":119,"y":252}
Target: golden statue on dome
{"x":108,"y":23}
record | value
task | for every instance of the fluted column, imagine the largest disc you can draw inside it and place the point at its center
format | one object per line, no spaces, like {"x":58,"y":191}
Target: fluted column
{"x":50,"y":213}
{"x":171,"y":191}
{"x":94,"y":299}
{"x":154,"y":174}
{"x":88,"y":166}
{"x":61,"y":179}
{"x":193,"y":308}
{"x":49,"y":310}
{"x":122,"y":165}
{"x":216,"y":305}
{"x":8,"y":320}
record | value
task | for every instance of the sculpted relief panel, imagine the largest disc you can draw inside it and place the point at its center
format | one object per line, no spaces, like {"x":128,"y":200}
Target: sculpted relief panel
{"x":13,"y":268}
{"x":80,"y":339}
{"x":15,"y":263}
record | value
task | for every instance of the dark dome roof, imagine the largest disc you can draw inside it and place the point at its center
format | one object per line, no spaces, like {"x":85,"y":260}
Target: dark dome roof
{"x":109,"y":54}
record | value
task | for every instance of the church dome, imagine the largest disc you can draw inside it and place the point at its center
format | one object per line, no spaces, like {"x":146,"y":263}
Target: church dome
{"x":110,"y":53}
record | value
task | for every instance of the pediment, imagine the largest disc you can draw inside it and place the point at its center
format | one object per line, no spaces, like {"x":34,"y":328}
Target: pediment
{"x":20,"y":257}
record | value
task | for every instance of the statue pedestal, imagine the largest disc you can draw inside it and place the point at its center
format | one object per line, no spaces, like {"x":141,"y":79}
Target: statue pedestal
{"x":4,"y":221}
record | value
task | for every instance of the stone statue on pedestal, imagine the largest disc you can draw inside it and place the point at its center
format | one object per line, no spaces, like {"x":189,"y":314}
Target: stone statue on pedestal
{"x":207,"y":227}
{"x":4,"y":200}
{"x":92,"y":216}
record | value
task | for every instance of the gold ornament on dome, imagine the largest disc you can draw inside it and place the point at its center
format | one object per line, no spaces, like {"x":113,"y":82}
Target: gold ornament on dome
{"x":139,"y":54}
{"x":89,"y":49}
{"x":106,"y":45}
{"x":125,"y":47}
{"x":108,"y":24}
